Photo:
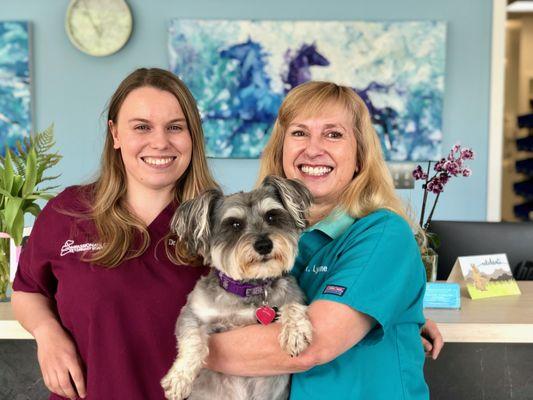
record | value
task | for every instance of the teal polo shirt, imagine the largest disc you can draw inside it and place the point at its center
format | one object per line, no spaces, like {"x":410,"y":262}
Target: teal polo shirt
{"x":373,"y":265}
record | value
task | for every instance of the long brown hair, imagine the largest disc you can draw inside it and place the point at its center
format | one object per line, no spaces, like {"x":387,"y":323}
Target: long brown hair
{"x":372,"y":186}
{"x":123,"y":235}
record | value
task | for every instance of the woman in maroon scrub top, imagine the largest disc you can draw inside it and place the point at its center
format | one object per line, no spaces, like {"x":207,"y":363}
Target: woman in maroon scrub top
{"x":95,"y":286}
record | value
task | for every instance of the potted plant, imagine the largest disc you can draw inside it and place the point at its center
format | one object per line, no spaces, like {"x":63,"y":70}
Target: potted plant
{"x":445,"y":169}
{"x":21,"y":180}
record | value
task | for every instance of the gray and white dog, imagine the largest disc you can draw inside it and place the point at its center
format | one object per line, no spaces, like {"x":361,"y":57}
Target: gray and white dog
{"x":251,"y":241}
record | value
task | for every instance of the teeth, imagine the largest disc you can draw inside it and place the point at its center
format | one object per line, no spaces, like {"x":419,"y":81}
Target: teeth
{"x":157,"y":161}
{"x":316,"y":171}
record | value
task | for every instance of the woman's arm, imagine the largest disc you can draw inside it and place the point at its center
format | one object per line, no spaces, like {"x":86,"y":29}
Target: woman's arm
{"x":255,"y":351}
{"x":56,"y":352}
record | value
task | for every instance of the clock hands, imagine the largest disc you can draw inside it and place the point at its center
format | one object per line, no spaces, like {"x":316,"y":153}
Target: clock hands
{"x":87,"y":12}
{"x":98,"y":27}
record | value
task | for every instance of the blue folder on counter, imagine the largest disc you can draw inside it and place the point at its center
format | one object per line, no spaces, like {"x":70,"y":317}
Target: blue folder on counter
{"x":442,"y":295}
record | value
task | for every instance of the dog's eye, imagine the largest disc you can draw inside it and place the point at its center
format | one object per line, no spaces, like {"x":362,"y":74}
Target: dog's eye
{"x":271,"y":217}
{"x":234,"y":224}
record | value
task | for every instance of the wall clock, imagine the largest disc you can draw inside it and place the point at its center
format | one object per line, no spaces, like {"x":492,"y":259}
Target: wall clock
{"x":98,"y":27}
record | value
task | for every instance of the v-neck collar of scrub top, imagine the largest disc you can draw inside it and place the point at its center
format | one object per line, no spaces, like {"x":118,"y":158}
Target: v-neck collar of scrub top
{"x":334,"y":225}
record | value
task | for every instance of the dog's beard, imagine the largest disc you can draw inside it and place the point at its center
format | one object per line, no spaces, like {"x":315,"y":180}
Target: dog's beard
{"x":242,"y":262}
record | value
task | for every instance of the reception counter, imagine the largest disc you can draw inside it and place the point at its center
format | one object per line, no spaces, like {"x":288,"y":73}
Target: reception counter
{"x":9,"y":327}
{"x":506,"y":319}
{"x":496,"y":320}
{"x":488,"y":352}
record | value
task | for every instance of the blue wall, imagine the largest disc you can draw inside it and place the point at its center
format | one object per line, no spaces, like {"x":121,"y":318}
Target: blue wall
{"x":71,"y":88}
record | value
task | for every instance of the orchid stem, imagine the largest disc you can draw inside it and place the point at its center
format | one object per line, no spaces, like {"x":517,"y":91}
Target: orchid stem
{"x":424,"y":200}
{"x":428,"y":222}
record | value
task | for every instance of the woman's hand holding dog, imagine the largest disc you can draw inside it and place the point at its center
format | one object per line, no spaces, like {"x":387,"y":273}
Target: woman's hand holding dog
{"x":59,"y":361}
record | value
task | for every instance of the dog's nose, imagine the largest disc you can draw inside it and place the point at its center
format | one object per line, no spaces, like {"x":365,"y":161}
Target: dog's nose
{"x":263,"y":245}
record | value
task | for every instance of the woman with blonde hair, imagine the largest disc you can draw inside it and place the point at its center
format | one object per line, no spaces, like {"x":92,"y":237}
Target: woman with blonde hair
{"x":95,"y":286}
{"x":358,"y":264}
{"x":373,"y":188}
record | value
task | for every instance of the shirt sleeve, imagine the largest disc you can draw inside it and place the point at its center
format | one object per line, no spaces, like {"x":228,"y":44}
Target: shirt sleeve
{"x":34,"y":272}
{"x":379,"y":272}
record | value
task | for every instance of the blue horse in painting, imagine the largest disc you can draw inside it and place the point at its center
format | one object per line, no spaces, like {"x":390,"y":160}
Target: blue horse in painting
{"x":386,"y":118}
{"x":299,"y":65}
{"x":252,"y":99}
{"x":251,"y":104}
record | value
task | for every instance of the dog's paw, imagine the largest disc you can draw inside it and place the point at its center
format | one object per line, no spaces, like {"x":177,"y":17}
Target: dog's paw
{"x":296,"y":329}
{"x":177,"y":385}
{"x":293,"y":342}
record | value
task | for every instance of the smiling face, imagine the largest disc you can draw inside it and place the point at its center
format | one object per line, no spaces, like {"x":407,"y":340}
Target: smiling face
{"x":320,"y":151}
{"x":154,"y":140}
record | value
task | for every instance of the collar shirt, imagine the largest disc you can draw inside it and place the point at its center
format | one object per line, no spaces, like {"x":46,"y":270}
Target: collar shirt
{"x":373,"y":265}
{"x":122,"y":319}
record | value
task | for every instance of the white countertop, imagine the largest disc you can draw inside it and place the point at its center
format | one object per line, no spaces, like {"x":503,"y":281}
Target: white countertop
{"x":506,"y":319}
{"x":9,"y":327}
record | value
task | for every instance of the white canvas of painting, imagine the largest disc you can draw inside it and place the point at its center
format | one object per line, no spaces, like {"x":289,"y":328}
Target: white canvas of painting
{"x":240,"y":71}
{"x":15,"y":108}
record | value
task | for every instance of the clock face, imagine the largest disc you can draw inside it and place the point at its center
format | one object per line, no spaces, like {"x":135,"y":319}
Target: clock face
{"x":98,"y":27}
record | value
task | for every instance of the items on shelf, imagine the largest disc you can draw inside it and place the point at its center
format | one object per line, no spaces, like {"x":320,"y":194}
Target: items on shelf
{"x":524,"y":188}
{"x":525,"y":144}
{"x":524,"y":210}
{"x":526,"y":121}
{"x":525,"y":166}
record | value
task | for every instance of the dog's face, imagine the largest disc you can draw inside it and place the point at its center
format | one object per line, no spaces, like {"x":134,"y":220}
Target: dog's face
{"x":251,"y":235}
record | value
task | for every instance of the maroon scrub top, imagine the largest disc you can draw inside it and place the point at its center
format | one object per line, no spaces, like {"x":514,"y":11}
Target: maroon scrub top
{"x":122,"y":319}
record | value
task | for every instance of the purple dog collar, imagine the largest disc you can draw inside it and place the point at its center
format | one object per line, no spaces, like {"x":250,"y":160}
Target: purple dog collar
{"x":242,"y":288}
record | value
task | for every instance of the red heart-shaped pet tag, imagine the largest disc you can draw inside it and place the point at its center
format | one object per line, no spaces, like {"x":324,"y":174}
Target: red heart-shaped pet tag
{"x":265,"y":315}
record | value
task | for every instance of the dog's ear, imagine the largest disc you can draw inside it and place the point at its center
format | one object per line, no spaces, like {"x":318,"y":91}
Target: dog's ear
{"x":295,"y":197}
{"x":191,"y":222}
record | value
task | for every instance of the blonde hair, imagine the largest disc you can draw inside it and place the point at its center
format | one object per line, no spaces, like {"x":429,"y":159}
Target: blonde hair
{"x":122,"y":234}
{"x":372,"y":186}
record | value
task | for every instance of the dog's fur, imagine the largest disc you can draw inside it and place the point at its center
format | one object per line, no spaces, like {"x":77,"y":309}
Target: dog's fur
{"x":230,"y":234}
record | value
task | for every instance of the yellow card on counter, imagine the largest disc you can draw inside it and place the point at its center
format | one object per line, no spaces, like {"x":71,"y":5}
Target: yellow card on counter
{"x":485,"y":276}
